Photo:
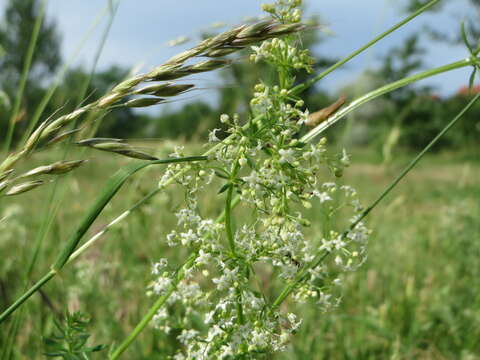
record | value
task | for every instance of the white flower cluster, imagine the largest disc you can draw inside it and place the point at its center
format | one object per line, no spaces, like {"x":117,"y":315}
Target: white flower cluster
{"x":278,"y":50}
{"x":285,"y":10}
{"x":220,"y":302}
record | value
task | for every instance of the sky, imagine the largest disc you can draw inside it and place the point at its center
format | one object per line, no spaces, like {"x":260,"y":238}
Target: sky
{"x":141,"y":30}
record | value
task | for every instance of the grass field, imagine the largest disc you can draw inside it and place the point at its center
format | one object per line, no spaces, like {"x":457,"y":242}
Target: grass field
{"x":416,"y":297}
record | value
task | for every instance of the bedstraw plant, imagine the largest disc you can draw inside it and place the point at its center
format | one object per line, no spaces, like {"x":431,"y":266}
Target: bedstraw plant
{"x":235,"y":294}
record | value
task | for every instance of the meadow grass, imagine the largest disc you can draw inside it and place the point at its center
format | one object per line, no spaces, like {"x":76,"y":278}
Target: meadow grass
{"x":415,"y":297}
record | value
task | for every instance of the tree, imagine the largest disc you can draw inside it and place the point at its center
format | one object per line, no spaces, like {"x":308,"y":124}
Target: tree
{"x":470,"y":17}
{"x":16,"y":31}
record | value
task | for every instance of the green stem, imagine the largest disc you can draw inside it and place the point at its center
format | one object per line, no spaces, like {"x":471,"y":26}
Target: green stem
{"x":322,"y":255}
{"x":230,"y":237}
{"x":27,"y":294}
{"x":179,"y":275}
{"x":228,"y":209}
{"x":25,"y":72}
{"x":382,"y":91}
{"x":302,"y":87}
{"x":228,"y":219}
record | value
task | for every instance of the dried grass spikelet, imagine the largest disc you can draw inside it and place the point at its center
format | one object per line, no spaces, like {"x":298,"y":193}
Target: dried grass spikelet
{"x":57,"y":168}
{"x":62,"y":136}
{"x":320,"y":116}
{"x":116,"y":146}
{"x":167,"y":89}
{"x":24,"y":187}
{"x":4,"y":185}
{"x":143,"y":102}
{"x":5,"y":174}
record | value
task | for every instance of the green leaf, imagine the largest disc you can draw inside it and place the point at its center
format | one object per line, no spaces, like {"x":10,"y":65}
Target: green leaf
{"x":220,"y":175}
{"x":96,"y":348}
{"x":224,"y":188}
{"x":465,"y":39}
{"x":471,"y":81}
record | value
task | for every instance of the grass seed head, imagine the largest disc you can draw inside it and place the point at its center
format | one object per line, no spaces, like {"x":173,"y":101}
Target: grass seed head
{"x":255,"y":30}
{"x":36,"y":136}
{"x":4,"y":185}
{"x":109,"y":100}
{"x":151,"y":89}
{"x":165,"y":72}
{"x":11,"y":160}
{"x":143,"y":102}
{"x":57,"y":168}
{"x":24,"y":187}
{"x":223,"y":51}
{"x":5,"y":174}
{"x":116,"y":147}
{"x":126,"y":86}
{"x":184,"y":56}
{"x":94,"y":141}
{"x":208,"y":65}
{"x":62,"y":136}
{"x":173,"y":90}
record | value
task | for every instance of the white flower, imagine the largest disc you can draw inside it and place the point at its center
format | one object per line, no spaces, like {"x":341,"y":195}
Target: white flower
{"x":225,"y":281}
{"x":338,"y":260}
{"x":253,"y":178}
{"x":158,"y":266}
{"x":203,"y":257}
{"x":224,"y":118}
{"x":188,"y":237}
{"x":322,"y":196}
{"x":292,"y":318}
{"x":287,"y":155}
{"x":161,"y":285}
{"x":187,"y":335}
{"x":212,"y":137}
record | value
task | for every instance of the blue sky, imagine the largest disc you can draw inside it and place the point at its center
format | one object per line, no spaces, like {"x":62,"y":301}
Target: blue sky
{"x":141,"y":30}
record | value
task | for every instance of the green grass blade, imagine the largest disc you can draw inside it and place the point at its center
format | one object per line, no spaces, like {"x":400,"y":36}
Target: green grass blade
{"x":25,"y":72}
{"x":382,"y":91}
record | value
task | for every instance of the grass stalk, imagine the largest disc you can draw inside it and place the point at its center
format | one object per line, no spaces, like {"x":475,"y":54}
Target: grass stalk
{"x":25,"y":72}
{"x":382,"y":91}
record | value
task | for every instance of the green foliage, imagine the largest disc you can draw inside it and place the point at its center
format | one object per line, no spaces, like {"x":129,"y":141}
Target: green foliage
{"x":281,"y":180}
{"x":15,"y":34}
{"x":439,"y":33}
{"x":70,"y":339}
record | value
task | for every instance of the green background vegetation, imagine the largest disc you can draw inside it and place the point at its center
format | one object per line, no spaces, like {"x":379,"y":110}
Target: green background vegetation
{"x":417,"y":296}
